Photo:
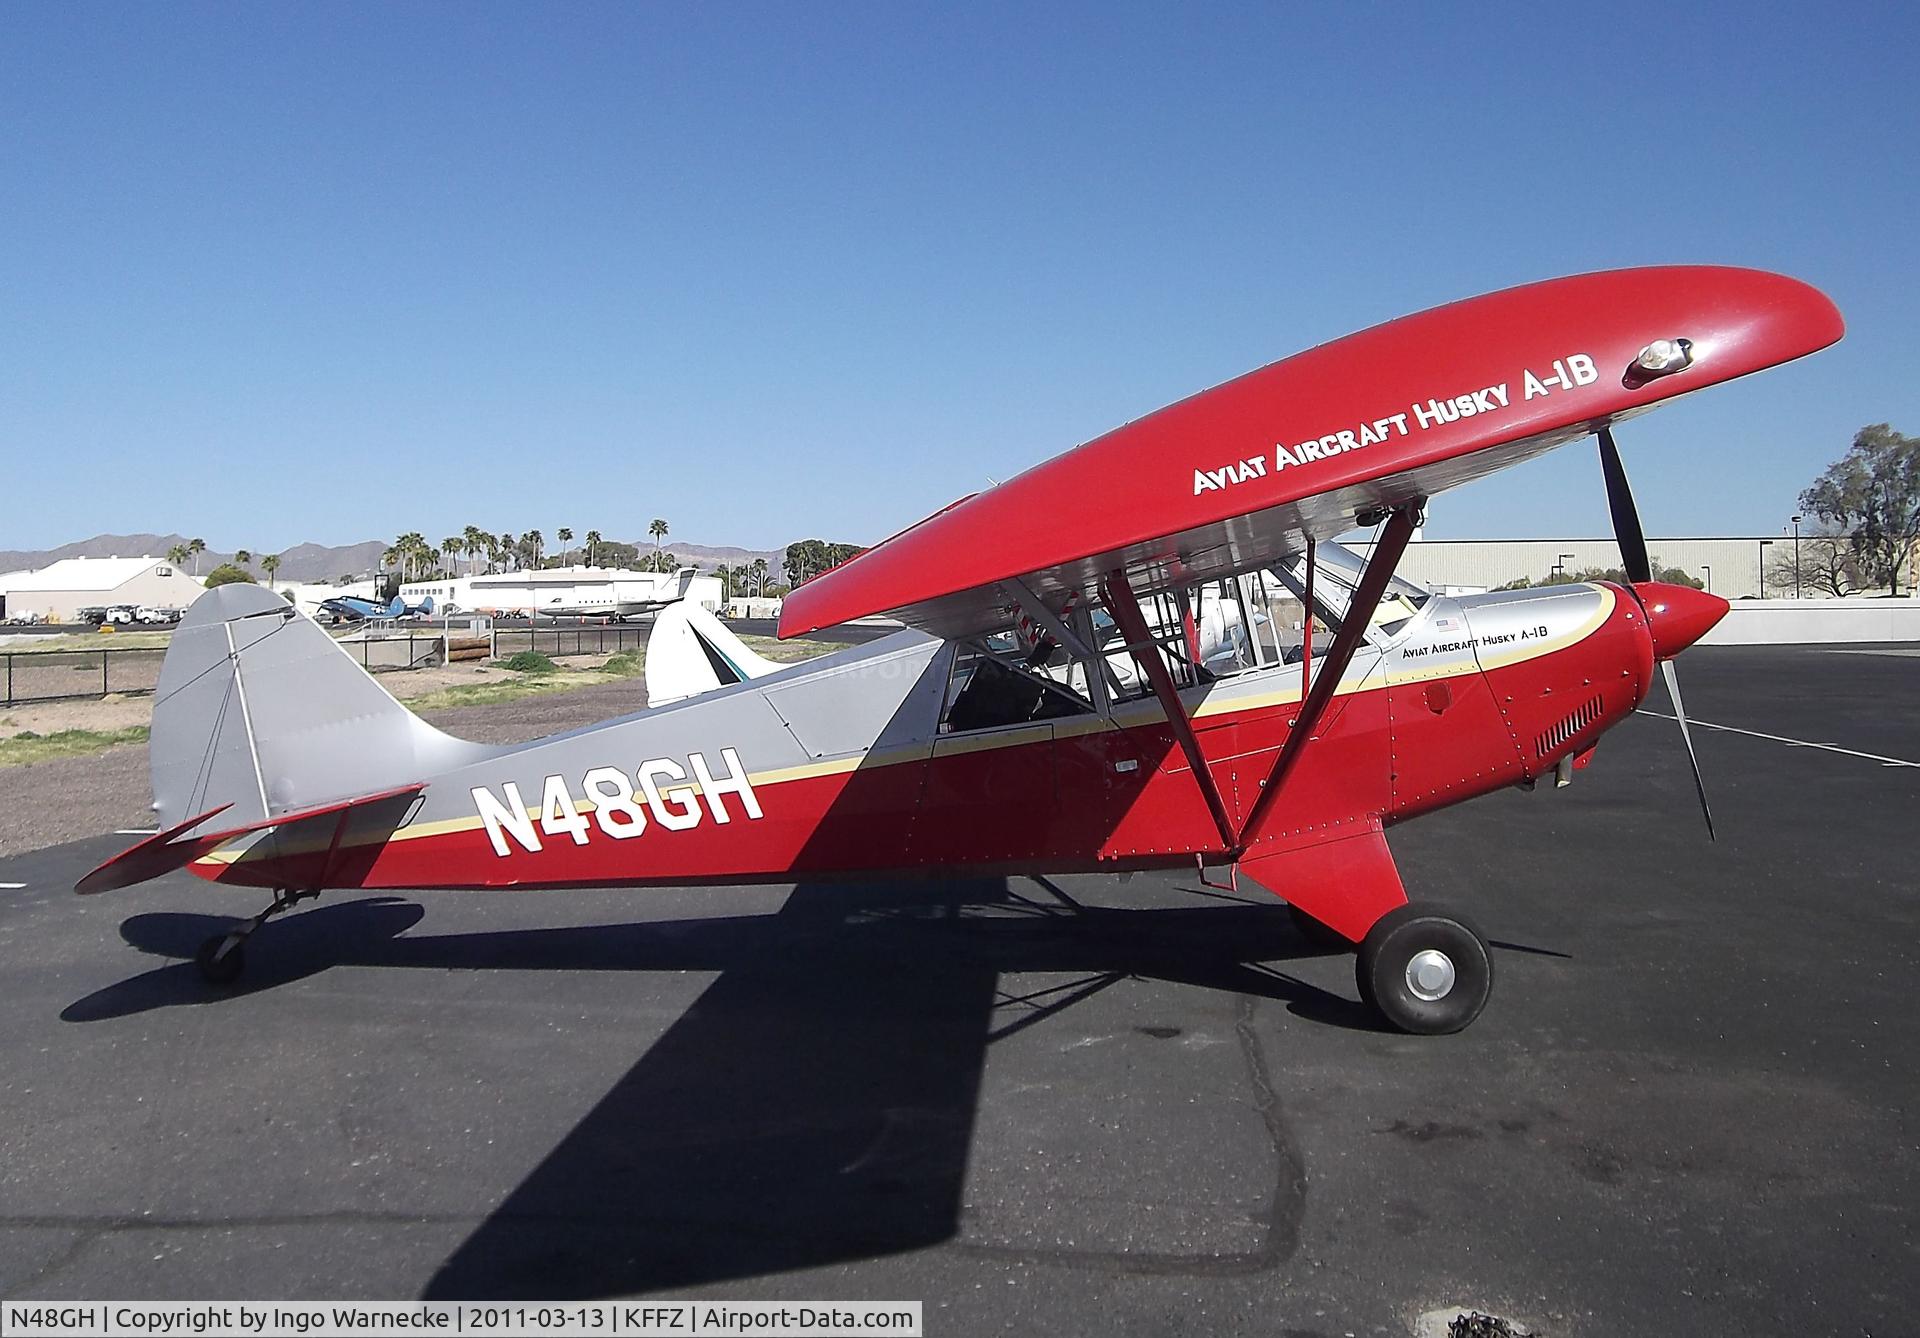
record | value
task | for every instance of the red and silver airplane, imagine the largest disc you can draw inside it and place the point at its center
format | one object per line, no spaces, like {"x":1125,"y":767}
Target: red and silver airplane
{"x":1048,"y":707}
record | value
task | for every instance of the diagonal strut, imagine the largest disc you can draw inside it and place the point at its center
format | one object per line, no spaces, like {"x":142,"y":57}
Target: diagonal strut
{"x":1353,"y":627}
{"x":1125,"y":608}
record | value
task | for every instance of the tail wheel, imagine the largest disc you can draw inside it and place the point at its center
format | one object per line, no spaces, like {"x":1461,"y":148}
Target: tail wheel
{"x":1424,"y":970}
{"x":217,"y":967}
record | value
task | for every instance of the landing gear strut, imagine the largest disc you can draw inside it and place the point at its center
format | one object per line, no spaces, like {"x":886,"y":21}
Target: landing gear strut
{"x":223,"y":957}
{"x":1424,"y":970}
{"x":1319,"y":936}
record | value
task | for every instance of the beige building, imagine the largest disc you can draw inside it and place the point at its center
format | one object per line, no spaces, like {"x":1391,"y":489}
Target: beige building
{"x":58,"y":592}
{"x":1728,"y":566}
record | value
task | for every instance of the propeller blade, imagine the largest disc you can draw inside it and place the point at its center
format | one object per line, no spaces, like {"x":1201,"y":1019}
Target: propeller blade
{"x":1626,"y":520}
{"x":1686,"y":736}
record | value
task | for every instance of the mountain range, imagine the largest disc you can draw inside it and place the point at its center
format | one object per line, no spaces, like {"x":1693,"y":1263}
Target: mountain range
{"x":318,"y":562}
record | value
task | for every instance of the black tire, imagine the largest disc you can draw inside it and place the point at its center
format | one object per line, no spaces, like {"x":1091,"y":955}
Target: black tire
{"x":1390,"y":979}
{"x":1319,"y":935}
{"x":220,"y":970}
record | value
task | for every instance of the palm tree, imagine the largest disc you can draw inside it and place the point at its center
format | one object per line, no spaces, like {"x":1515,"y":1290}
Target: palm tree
{"x":270,"y":564}
{"x":451,"y":547}
{"x":759,"y":575}
{"x":411,"y":554}
{"x":178,"y":555}
{"x":195,"y":547}
{"x":470,"y":544}
{"x":566,"y":537}
{"x":593,"y":542}
{"x":243,"y":557}
{"x":534,"y":540}
{"x":659,"y":531}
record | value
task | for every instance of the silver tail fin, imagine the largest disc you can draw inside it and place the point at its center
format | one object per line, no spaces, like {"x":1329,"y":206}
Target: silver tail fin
{"x":258,"y":708}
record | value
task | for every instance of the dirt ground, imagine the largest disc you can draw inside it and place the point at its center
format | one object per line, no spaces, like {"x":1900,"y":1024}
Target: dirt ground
{"x":64,"y":799}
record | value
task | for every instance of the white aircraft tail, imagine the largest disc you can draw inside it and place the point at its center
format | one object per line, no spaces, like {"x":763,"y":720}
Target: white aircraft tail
{"x":690,"y":652}
{"x":258,"y":708}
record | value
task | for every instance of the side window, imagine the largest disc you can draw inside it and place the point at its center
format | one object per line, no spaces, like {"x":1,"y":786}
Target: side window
{"x":986,"y":692}
{"x":1173,"y":630}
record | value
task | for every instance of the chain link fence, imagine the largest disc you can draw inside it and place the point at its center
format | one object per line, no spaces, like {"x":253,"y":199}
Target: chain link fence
{"x":378,"y":654}
{"x":601,"y":640}
{"x":72,"y":675}
{"x":69,"y":675}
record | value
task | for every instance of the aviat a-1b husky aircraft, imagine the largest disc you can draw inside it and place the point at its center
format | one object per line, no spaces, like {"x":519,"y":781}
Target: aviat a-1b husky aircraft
{"x":1048,"y":708}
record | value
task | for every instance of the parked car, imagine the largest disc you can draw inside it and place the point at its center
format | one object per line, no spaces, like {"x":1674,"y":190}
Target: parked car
{"x":121,"y":615}
{"x":152,"y":613}
{"x":93,"y":613}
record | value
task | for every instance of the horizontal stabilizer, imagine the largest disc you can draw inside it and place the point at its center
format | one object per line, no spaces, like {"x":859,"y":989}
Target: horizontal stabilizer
{"x":148,"y":859}
{"x":164,"y":852}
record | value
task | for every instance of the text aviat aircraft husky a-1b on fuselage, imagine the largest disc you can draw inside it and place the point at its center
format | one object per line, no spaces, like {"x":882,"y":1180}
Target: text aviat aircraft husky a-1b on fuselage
{"x":1049,"y":708}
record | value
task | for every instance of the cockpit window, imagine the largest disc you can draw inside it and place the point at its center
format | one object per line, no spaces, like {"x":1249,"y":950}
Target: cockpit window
{"x":986,"y":691}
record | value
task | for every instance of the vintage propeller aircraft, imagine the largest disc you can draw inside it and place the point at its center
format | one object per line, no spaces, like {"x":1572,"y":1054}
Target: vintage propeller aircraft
{"x":997,"y":733}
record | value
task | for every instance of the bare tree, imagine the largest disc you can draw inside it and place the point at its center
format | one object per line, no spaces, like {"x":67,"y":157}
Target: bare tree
{"x":1828,"y":566}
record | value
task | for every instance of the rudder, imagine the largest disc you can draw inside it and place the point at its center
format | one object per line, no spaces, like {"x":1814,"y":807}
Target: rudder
{"x":257,"y":707}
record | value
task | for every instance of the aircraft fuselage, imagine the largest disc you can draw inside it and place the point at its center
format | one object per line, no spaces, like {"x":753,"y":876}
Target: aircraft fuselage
{"x":841,"y":765}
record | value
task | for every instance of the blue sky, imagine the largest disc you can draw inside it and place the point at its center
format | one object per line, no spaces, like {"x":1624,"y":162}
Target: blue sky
{"x":273,"y":273}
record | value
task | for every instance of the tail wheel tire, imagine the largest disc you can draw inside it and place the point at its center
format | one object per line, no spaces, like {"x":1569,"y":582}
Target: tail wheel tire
{"x":1424,"y":970}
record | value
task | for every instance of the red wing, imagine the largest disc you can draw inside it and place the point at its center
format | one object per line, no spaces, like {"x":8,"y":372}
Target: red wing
{"x":1241,"y":475}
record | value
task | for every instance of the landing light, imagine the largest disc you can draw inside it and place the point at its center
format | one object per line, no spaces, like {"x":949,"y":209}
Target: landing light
{"x":1664,"y":356}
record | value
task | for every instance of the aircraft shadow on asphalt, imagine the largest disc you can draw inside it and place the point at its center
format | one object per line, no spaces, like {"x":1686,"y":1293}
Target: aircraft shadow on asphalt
{"x":815,"y":1105}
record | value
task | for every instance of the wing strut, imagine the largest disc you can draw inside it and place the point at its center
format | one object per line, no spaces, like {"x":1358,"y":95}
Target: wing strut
{"x":1125,"y":607}
{"x":1353,"y":627}
{"x":1146,"y":652}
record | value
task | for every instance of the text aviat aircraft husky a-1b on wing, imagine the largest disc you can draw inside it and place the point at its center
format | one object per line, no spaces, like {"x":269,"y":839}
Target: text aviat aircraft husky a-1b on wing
{"x":1051,"y":706}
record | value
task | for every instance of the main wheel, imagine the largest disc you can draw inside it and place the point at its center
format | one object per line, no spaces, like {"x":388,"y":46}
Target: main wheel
{"x":219,"y":968}
{"x":1317,"y":933}
{"x":1424,"y":970}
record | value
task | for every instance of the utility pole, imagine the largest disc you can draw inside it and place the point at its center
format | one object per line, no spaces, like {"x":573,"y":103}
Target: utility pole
{"x":1796,"y":557}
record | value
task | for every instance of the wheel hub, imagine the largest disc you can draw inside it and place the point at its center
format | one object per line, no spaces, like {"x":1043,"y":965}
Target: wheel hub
{"x":1430,"y":975}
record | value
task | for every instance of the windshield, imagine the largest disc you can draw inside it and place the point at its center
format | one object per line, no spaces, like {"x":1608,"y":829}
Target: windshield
{"x":1336,"y":576}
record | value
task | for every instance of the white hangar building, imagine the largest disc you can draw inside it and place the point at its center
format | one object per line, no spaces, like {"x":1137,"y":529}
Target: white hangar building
{"x":59,"y":591}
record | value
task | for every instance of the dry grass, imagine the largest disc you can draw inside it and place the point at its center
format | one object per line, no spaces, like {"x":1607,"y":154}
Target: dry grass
{"x":789,"y":652}
{"x":27,"y":747}
{"x":107,"y":641}
{"x":516,"y":686}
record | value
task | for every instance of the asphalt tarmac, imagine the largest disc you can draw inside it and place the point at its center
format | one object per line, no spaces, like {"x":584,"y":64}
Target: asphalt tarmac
{"x":1070,"y":1106}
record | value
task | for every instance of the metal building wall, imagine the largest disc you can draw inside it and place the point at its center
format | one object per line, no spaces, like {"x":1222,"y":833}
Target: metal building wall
{"x":1731,"y":567}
